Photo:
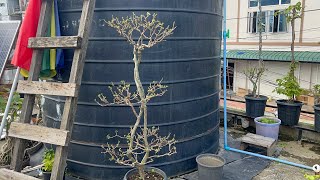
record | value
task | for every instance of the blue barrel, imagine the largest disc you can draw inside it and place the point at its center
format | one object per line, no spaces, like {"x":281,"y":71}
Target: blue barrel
{"x":188,"y":62}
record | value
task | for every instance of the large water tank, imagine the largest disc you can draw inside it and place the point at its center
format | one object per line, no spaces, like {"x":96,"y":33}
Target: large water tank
{"x":188,"y":62}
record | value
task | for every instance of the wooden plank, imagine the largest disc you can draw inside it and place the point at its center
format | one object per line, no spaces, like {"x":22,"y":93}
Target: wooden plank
{"x":63,"y":42}
{"x":70,"y":106}
{"x":258,"y":140}
{"x":35,"y":67}
{"x":47,"y":88}
{"x":6,"y":174}
{"x":39,"y":133}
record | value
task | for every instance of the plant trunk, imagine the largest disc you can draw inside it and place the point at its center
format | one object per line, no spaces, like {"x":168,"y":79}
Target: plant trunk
{"x":260,"y":46}
{"x":254,"y":90}
{"x":141,"y":172}
{"x":143,"y":106}
{"x":293,"y":41}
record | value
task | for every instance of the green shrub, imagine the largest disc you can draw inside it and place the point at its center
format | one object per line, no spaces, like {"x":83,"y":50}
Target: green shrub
{"x":312,"y":177}
{"x":289,"y":86}
{"x":48,"y":160}
{"x":267,"y":121}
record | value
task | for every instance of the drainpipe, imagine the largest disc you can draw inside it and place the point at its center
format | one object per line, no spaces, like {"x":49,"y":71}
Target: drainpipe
{"x":226,"y":147}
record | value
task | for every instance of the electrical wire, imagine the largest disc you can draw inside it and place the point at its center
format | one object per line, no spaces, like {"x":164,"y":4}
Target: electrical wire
{"x":247,"y":17}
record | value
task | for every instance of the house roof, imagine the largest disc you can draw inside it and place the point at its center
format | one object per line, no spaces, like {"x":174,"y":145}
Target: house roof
{"x":301,"y":56}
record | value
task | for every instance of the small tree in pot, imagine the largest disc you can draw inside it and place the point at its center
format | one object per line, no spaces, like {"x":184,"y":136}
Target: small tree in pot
{"x":316,"y":93}
{"x":255,"y":103}
{"x":144,"y":145}
{"x":289,"y":109}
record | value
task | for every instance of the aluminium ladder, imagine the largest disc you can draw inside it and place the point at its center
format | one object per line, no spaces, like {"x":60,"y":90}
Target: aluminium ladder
{"x":22,"y":130}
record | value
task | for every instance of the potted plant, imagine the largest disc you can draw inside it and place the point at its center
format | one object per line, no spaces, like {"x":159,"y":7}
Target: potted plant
{"x":268,"y":126}
{"x":316,"y":92}
{"x":48,"y":160}
{"x":255,"y":103}
{"x":143,"y":143}
{"x":289,"y":109}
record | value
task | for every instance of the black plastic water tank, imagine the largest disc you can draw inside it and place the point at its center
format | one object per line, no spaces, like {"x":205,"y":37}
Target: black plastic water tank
{"x":188,"y":62}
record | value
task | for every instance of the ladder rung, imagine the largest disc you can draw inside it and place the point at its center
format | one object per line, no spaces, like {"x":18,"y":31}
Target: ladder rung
{"x":39,"y":133}
{"x":47,"y":88}
{"x":6,"y":174}
{"x":64,"y":42}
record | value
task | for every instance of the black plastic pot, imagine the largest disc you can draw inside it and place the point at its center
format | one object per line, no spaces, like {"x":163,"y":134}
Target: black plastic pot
{"x":317,"y":117}
{"x":47,"y":175}
{"x":159,"y":171}
{"x":289,"y":113}
{"x":34,"y":149}
{"x":255,"y":106}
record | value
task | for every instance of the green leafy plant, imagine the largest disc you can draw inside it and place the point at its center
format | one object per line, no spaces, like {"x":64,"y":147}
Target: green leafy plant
{"x":6,"y":149}
{"x":316,"y":93}
{"x":15,"y":107}
{"x":312,"y":177}
{"x":267,"y":121}
{"x":289,"y":87}
{"x":48,"y":160}
{"x":292,"y":13}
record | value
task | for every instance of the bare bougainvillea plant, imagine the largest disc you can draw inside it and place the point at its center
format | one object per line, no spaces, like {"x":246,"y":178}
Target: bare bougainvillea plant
{"x":144,"y":143}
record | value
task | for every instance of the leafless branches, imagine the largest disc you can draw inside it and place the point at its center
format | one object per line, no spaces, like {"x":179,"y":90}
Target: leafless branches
{"x":144,"y":144}
{"x":150,"y":30}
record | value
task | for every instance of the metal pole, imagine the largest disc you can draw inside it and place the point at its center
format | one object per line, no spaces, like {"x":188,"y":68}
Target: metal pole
{"x":225,"y":72}
{"x":6,"y":112}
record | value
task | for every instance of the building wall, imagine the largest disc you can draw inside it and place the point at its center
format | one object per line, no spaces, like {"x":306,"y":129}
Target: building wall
{"x":307,"y":29}
{"x":9,"y":10}
{"x":4,"y":10}
{"x":307,"y":74}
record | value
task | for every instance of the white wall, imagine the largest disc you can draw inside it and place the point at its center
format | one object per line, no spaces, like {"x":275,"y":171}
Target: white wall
{"x":4,"y":11}
{"x":310,"y":33}
{"x":307,"y":74}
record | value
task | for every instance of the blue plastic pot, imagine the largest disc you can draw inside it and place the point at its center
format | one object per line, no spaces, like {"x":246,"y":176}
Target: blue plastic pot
{"x":268,"y":130}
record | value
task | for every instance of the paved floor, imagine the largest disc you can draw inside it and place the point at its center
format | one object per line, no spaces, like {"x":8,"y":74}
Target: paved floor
{"x":238,"y":166}
{"x":242,"y":167}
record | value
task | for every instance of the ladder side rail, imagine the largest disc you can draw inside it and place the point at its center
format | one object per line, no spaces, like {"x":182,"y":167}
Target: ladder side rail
{"x":29,"y":100}
{"x":70,"y":106}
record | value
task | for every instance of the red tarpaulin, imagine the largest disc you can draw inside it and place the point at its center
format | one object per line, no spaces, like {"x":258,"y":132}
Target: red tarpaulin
{"x":22,"y":56}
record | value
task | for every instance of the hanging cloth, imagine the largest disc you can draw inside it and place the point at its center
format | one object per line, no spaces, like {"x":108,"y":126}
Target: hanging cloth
{"x":22,"y":55}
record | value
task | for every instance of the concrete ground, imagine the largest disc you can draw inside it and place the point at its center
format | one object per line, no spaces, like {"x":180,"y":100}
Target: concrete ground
{"x":241,"y":167}
{"x":305,"y":153}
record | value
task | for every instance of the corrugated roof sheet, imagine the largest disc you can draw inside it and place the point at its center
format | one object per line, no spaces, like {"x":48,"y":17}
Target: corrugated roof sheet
{"x":302,"y":56}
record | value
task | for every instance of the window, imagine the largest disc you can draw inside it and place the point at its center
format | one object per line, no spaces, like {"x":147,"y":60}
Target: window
{"x":277,"y":23}
{"x":270,"y":23}
{"x":253,"y":24}
{"x":254,"y":3}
